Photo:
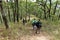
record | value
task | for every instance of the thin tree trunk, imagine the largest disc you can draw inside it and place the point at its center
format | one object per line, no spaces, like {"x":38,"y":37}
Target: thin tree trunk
{"x":14,"y":11}
{"x":8,"y":12}
{"x":45,"y":10}
{"x":50,"y":8}
{"x":1,"y":19}
{"x":21,"y":14}
{"x":26,"y":10}
{"x":21,"y":10}
{"x":14,"y":14}
{"x":29,"y":12}
{"x":17,"y":10}
{"x":29,"y":17}
{"x":55,"y":8}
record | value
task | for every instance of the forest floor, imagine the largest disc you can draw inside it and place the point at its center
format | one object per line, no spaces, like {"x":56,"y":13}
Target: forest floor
{"x":32,"y":36}
{"x":36,"y":37}
{"x":17,"y":31}
{"x":25,"y":34}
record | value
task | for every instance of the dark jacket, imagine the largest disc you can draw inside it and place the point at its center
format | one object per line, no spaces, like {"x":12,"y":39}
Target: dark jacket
{"x":38,"y":24}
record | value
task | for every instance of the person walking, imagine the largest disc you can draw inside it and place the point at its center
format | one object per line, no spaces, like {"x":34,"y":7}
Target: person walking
{"x":39,"y":25}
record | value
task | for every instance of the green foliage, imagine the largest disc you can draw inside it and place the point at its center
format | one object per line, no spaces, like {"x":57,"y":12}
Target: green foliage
{"x":32,"y":8}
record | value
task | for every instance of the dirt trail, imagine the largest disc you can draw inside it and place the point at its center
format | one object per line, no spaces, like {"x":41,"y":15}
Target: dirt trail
{"x":36,"y":37}
{"x":42,"y":36}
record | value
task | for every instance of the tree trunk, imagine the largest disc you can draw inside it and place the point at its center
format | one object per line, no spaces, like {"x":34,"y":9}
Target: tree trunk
{"x":26,"y":11}
{"x":45,"y":10}
{"x":55,"y":8}
{"x":17,"y":10}
{"x":14,"y":14}
{"x":21,"y":14}
{"x":8,"y":12}
{"x":49,"y":10}
{"x":1,"y":19}
{"x":21,"y":10}
{"x":14,"y":11}
{"x":3,"y":16}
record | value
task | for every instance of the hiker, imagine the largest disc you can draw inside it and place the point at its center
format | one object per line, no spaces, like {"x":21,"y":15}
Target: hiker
{"x":39,"y":25}
{"x":34,"y":22}
{"x":34,"y":25}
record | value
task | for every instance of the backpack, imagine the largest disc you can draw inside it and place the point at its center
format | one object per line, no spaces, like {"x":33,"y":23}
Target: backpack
{"x":34,"y":22}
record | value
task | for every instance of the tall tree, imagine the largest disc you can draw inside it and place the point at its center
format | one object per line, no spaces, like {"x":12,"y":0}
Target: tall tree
{"x":45,"y":9}
{"x":26,"y":10}
{"x":8,"y":11}
{"x":55,"y":7}
{"x":3,"y":15}
{"x":0,"y":19}
{"x":14,"y":10}
{"x":43,"y":4}
{"x":49,"y":10}
{"x":17,"y":10}
{"x":29,"y":11}
{"x":21,"y":9}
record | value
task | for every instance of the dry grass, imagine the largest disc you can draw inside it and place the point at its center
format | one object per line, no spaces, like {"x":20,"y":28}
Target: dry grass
{"x":18,"y":30}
